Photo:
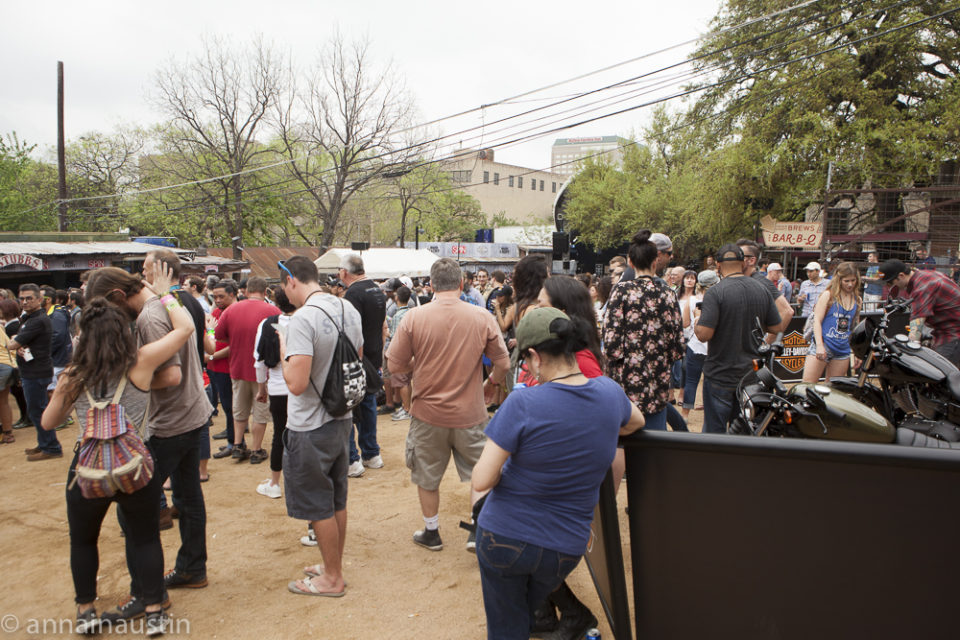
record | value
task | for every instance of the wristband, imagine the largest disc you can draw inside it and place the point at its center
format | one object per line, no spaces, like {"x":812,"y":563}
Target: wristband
{"x":211,"y":332}
{"x":169,"y":302}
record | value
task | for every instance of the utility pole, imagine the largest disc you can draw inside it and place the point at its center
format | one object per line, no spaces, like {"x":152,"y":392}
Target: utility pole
{"x":61,"y":154}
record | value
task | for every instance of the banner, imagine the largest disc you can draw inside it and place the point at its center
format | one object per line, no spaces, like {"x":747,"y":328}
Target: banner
{"x":795,"y":235}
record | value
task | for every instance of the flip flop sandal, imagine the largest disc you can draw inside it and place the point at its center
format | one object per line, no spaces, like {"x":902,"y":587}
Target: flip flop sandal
{"x":316,"y":570}
{"x":312,"y":590}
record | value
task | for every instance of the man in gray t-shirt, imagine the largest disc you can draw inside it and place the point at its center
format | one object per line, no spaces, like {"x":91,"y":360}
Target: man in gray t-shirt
{"x":729,"y":314}
{"x":316,"y":455}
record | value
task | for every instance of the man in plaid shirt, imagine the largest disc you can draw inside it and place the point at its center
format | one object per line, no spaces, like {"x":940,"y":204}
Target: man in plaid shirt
{"x":936,"y":302}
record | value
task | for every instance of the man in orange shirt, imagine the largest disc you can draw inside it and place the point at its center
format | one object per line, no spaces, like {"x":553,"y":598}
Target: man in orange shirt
{"x":442,"y":344}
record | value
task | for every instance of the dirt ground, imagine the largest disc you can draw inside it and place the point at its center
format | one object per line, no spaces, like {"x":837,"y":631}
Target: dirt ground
{"x":396,"y":589}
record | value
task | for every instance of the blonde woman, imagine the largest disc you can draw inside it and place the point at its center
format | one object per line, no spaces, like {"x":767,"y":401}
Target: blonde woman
{"x":834,"y":316}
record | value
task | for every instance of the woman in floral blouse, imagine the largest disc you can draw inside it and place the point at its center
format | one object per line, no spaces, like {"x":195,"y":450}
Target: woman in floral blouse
{"x":643,"y":334}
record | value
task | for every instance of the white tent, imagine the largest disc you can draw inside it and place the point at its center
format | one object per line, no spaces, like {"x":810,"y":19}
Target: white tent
{"x":382,"y":263}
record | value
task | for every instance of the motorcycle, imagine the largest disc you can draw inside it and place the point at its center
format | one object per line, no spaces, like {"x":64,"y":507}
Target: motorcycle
{"x":918,"y":388}
{"x":845,"y":411}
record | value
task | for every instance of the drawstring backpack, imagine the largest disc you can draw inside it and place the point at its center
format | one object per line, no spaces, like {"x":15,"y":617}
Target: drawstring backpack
{"x":112,"y":454}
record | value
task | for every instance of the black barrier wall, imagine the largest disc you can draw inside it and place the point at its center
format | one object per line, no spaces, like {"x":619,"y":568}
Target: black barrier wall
{"x":740,"y":537}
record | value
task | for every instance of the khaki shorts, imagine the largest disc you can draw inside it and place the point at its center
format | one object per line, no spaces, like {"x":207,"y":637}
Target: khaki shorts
{"x":429,"y":448}
{"x":245,"y":400}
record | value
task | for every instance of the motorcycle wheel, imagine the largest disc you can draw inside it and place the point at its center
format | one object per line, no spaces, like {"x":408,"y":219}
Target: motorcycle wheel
{"x":740,"y":427}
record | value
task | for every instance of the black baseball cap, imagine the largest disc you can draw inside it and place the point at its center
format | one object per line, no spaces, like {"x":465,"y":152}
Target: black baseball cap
{"x":730,"y":253}
{"x":890,"y":269}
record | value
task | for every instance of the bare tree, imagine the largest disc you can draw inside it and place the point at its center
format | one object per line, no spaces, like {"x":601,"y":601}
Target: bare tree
{"x":217,"y":102}
{"x":344,"y":130}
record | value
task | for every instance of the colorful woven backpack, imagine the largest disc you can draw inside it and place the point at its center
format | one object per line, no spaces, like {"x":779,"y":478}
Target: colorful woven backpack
{"x":112,"y":454}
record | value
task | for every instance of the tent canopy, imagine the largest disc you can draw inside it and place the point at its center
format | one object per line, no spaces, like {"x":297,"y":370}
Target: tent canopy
{"x":382,"y":263}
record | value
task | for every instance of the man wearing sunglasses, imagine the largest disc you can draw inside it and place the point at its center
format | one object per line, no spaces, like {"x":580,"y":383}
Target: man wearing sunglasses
{"x":32,"y":345}
{"x":751,"y":254}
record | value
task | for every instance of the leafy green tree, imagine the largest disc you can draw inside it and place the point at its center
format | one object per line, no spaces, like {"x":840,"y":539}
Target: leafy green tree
{"x":862,"y":85}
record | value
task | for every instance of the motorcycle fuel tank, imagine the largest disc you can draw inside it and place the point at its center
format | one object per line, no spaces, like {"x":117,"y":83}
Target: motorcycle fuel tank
{"x":860,"y":423}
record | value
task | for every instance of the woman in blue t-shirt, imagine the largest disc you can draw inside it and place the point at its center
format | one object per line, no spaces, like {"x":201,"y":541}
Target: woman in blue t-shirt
{"x":543,"y":464}
{"x":834,"y":316}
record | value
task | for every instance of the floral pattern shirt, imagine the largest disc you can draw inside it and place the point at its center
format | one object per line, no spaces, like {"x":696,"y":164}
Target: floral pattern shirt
{"x":642,"y":338}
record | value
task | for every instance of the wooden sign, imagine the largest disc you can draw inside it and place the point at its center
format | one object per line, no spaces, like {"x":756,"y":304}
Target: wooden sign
{"x":795,"y":235}
{"x":22,"y":259}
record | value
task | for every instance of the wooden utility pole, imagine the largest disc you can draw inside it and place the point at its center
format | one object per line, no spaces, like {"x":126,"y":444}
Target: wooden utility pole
{"x":61,"y":154}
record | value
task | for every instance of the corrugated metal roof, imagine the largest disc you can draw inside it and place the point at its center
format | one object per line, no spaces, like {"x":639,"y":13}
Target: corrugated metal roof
{"x":263,"y":260}
{"x":81,"y":248}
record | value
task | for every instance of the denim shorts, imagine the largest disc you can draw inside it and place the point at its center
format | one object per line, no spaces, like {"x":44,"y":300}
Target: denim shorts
{"x":7,"y":376}
{"x":831,"y":355}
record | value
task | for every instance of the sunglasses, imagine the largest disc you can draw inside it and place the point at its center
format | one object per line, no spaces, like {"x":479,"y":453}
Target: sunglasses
{"x":284,"y":267}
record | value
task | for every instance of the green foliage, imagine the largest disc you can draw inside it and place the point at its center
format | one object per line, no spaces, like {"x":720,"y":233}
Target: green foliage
{"x":24,"y":188}
{"x":781,"y":99}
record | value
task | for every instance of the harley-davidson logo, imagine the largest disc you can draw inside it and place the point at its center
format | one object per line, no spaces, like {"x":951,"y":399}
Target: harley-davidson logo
{"x":794,"y":352}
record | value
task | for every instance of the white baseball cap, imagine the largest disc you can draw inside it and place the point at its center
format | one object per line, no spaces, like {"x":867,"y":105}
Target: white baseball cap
{"x":812,"y":266}
{"x":774,"y":266}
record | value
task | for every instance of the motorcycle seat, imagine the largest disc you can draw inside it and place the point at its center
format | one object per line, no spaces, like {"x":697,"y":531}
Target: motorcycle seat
{"x":953,"y":381}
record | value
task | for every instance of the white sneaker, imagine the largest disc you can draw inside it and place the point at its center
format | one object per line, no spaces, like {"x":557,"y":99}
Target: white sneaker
{"x":400,"y":414}
{"x":356,"y":469}
{"x":309,"y":540}
{"x":269,"y":490}
{"x":376,"y":462}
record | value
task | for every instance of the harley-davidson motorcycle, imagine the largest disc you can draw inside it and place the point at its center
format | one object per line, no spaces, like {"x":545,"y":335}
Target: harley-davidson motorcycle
{"x":917,"y":402}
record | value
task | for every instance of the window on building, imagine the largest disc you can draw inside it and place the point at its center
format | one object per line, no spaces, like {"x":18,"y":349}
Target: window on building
{"x":510,"y":181}
{"x":541,"y":185}
{"x":554,"y":186}
{"x":496,"y":178}
{"x":486,"y":177}
{"x":837,"y":222}
{"x":463,"y":177}
{"x":519,"y":182}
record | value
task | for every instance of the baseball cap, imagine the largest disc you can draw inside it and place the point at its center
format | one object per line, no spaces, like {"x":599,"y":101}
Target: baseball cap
{"x":406,"y":282}
{"x":730,"y":253}
{"x":708,"y":278}
{"x":392,"y":284}
{"x":662,"y":241}
{"x":892,"y":268}
{"x":811,"y":266}
{"x":774,"y":266}
{"x":534,"y":328}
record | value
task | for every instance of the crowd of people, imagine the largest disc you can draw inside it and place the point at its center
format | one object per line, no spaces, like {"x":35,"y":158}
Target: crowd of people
{"x":549,"y":371}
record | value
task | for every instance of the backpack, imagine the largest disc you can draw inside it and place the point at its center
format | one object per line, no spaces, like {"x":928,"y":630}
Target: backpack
{"x":346,"y":384}
{"x":112,"y":454}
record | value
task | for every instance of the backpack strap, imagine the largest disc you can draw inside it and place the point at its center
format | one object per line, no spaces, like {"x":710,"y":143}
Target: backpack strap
{"x":116,"y":395}
{"x":340,"y":333}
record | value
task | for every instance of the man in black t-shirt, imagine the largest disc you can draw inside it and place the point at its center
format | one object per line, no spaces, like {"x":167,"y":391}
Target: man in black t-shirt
{"x":364,"y":294}
{"x":729,"y":313}
{"x":32,"y":345}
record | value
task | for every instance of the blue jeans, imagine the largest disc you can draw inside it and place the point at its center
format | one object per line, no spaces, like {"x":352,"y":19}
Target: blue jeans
{"x":694,"y":368}
{"x":674,"y":419}
{"x":365,"y":419}
{"x":35,"y":393}
{"x":516,"y":577}
{"x":178,"y":458}
{"x":719,"y":407}
{"x":221,"y":381}
{"x":656,"y":421}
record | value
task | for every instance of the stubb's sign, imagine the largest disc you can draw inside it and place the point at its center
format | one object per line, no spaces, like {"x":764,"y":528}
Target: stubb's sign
{"x":21,"y":259}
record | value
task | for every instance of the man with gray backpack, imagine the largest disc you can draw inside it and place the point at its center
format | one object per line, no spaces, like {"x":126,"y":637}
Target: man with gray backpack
{"x":316,"y":454}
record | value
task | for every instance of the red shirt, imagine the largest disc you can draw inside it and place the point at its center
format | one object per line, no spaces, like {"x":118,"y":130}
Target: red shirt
{"x":587,"y":362}
{"x":237,"y":326}
{"x":937,"y":298}
{"x":221,"y":365}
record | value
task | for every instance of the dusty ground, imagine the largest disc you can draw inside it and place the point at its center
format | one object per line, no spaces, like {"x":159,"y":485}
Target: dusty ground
{"x":397,"y":590}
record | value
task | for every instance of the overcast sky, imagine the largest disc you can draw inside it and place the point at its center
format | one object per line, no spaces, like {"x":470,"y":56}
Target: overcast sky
{"x":454,"y":56}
